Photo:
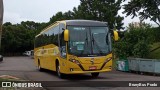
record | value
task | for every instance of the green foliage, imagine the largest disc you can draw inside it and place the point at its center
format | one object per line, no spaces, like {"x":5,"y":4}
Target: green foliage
{"x":155,"y":51}
{"x":156,"y":34}
{"x":18,"y":38}
{"x":145,"y":9}
{"x":136,"y":42}
{"x":141,"y":49}
{"x":61,"y":16}
{"x":122,"y":49}
{"x":101,"y":10}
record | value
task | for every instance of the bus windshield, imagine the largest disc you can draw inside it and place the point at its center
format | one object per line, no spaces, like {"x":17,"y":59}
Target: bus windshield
{"x":88,"y":41}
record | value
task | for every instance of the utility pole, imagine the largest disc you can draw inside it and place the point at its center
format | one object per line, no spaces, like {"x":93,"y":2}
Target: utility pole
{"x":1,"y":20}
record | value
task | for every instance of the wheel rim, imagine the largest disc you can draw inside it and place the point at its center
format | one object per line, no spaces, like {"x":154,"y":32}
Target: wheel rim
{"x":58,"y":71}
{"x":39,"y":67}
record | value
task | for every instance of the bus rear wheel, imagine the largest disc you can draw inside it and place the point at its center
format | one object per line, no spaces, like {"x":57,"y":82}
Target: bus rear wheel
{"x":95,"y":74}
{"x":60,"y":75}
{"x":39,"y":67}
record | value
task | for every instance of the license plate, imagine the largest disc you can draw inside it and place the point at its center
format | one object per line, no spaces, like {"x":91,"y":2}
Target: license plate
{"x":92,"y":67}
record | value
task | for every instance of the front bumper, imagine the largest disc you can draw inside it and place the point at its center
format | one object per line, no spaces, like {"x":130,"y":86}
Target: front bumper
{"x":74,"y":71}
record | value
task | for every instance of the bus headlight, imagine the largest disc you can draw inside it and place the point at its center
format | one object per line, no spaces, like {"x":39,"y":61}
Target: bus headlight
{"x":74,"y":61}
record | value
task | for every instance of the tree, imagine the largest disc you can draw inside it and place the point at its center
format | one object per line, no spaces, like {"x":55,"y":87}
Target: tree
{"x":17,"y":38}
{"x":61,"y":16}
{"x":102,"y":10}
{"x":30,"y":25}
{"x":145,"y":9}
{"x":1,"y":19}
{"x":57,"y":17}
{"x":136,"y":42}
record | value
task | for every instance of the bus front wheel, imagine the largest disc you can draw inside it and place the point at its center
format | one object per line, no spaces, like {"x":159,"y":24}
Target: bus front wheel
{"x":60,"y":75}
{"x":94,"y":74}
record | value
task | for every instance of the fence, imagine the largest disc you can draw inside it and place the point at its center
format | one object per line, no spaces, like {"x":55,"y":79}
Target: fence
{"x":140,"y":65}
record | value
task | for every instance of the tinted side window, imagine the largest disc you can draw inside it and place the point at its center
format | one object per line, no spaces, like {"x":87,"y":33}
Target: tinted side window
{"x":61,"y":34}
{"x":48,"y":37}
{"x":55,"y":39}
{"x":61,"y":27}
{"x":38,"y":41}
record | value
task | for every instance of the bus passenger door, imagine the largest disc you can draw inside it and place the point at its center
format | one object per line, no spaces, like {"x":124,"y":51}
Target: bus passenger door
{"x":63,"y":56}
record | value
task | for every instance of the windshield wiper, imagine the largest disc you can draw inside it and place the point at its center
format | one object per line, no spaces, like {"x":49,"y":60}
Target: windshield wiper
{"x":98,"y":48}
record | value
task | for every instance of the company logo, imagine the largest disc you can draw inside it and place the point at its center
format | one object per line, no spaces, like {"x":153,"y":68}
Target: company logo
{"x":20,"y":84}
{"x":92,"y":61}
{"x":6,"y":84}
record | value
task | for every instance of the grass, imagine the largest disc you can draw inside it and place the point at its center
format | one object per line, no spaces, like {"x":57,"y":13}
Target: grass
{"x":155,"y":51}
{"x":154,"y":46}
{"x":9,"y":88}
{"x":155,"y":54}
{"x":7,"y":78}
{"x":10,"y":79}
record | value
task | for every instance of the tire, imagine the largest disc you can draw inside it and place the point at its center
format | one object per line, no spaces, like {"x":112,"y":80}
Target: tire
{"x":60,"y":75}
{"x":95,"y":74}
{"x":39,"y":67}
{"x":1,"y":58}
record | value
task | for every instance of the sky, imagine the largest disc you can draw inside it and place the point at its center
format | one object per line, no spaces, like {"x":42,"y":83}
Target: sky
{"x":16,"y":11}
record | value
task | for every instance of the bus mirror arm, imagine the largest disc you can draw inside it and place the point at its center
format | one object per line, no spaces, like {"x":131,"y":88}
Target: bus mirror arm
{"x":63,"y":29}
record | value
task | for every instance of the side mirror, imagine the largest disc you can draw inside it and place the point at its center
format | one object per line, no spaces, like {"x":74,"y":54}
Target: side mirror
{"x":66,"y":35}
{"x":115,"y":35}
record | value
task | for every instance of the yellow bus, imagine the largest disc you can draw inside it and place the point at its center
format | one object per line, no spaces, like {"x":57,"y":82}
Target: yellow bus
{"x":74,"y":47}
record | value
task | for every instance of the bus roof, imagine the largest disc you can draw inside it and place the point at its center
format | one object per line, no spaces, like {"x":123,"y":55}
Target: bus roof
{"x":78,"y":23}
{"x":85,"y":23}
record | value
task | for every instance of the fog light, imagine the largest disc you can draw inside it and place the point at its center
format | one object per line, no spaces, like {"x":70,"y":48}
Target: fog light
{"x":71,"y":69}
{"x":110,"y":67}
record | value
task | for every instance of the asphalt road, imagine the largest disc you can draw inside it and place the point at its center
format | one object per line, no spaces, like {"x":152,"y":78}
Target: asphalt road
{"x":24,"y":68}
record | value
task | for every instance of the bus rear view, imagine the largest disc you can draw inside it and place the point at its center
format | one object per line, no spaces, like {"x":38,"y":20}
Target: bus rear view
{"x":84,"y":47}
